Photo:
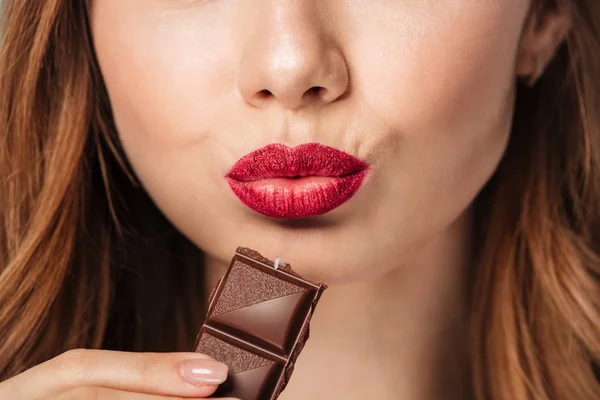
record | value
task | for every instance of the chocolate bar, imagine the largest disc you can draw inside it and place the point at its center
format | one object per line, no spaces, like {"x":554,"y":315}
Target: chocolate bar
{"x":257,"y":323}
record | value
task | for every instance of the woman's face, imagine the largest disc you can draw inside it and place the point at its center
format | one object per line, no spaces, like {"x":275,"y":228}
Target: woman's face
{"x":417,"y":96}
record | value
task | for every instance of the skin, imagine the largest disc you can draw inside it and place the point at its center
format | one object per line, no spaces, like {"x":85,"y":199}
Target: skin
{"x":421,"y":90}
{"x":186,"y":79}
{"x":430,"y":116}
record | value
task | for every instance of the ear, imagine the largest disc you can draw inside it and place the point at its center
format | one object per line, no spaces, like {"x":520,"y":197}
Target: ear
{"x":544,"y":31}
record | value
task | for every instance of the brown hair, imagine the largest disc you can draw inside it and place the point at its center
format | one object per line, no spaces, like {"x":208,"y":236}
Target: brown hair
{"x":77,"y":231}
{"x":66,"y":280}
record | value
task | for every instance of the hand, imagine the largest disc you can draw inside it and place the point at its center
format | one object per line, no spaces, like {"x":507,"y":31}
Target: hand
{"x":111,"y":375}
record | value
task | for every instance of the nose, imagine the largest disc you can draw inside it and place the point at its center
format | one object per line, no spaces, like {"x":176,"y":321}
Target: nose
{"x":291,"y":59}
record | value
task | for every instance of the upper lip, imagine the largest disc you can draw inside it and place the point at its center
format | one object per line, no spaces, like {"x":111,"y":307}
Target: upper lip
{"x":281,"y":161}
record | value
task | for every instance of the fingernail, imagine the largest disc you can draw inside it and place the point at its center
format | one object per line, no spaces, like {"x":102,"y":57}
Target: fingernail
{"x":203,"y":372}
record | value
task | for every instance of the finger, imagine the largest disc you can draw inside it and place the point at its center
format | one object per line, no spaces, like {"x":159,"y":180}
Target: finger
{"x":167,"y":374}
{"x":98,"y":393}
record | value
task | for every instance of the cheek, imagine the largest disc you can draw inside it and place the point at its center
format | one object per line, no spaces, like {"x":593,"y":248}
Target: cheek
{"x":165,"y":71}
{"x":442,"y":82}
{"x":449,"y":82}
{"x":439,"y":64}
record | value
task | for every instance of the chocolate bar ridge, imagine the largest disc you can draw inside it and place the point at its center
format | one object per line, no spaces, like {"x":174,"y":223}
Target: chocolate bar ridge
{"x":257,"y":323}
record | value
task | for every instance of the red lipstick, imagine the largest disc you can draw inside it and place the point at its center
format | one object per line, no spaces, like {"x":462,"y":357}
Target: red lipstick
{"x":296,"y":182}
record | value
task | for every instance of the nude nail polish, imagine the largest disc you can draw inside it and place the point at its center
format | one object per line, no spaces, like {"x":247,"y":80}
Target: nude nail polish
{"x":203,"y":372}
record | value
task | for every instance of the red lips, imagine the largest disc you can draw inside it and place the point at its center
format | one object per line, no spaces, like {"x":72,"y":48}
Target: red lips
{"x":307,"y":180}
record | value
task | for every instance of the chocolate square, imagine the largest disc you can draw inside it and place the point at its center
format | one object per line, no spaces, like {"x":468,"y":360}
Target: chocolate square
{"x":257,"y":323}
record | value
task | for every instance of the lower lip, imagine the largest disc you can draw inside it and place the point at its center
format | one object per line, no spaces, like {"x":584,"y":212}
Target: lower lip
{"x":303,"y":197}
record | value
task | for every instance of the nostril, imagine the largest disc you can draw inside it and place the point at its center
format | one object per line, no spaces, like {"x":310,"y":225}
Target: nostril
{"x":263,"y":94}
{"x":315,"y":92}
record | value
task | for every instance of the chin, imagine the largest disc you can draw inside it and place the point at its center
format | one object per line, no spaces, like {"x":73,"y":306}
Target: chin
{"x":325,"y":262}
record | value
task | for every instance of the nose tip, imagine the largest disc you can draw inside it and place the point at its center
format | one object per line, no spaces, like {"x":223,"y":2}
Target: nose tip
{"x":294,"y":73}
